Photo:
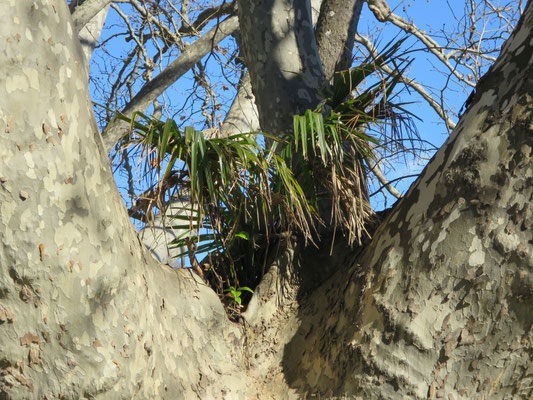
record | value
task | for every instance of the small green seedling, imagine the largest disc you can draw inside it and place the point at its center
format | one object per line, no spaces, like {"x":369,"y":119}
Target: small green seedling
{"x":237,"y":292}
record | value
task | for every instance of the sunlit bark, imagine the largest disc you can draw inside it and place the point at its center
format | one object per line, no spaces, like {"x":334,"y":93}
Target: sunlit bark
{"x":85,"y":311}
{"x":436,"y":306}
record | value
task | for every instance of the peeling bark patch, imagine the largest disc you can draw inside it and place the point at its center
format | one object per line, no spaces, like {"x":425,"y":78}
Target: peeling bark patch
{"x":463,"y":172}
{"x":28,"y":339}
{"x":34,"y":355}
{"x":25,"y":294}
{"x":42,"y":253}
{"x":477,"y":255}
{"x":6,"y":315}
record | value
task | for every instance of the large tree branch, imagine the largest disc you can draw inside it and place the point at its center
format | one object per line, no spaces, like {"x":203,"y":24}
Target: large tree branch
{"x":410,"y":82}
{"x":83,"y":12}
{"x":89,"y":34}
{"x":242,"y":116}
{"x":153,"y":89}
{"x":438,"y":304}
{"x":335,"y":32}
{"x":89,"y":312}
{"x":382,"y":12}
{"x":282,"y":58}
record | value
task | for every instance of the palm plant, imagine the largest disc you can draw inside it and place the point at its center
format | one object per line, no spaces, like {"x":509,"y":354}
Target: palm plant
{"x":242,"y":195}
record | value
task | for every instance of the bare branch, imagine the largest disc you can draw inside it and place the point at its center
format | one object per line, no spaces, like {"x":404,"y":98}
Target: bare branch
{"x":383,"y":13}
{"x":410,"y":82}
{"x":153,"y":89}
{"x":165,"y":30}
{"x":207,"y":15}
{"x":376,"y":170}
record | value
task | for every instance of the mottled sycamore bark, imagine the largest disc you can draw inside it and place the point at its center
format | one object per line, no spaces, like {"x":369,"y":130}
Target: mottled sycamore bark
{"x":335,"y":33}
{"x":436,"y":306}
{"x":85,"y":312}
{"x":282,"y":58}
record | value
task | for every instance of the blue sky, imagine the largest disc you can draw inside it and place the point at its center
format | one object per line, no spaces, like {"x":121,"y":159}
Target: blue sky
{"x":432,"y":17}
{"x":428,"y":15}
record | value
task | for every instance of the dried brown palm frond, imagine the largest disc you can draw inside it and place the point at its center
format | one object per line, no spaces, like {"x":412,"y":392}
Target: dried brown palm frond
{"x":242,"y":195}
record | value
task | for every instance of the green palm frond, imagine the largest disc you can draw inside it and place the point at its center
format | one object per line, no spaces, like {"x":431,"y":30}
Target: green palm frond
{"x":232,"y":182}
{"x":241,"y":194}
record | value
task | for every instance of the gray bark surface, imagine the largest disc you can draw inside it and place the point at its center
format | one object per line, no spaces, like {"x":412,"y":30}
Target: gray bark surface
{"x":438,"y":305}
{"x":90,"y":32}
{"x":282,"y":58}
{"x":86,"y":11}
{"x":85,"y":312}
{"x":242,"y":116}
{"x":158,"y":234}
{"x":335,"y":33}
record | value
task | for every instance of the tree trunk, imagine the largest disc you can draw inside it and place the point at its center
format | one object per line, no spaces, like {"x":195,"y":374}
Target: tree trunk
{"x":335,"y":33}
{"x":85,"y":311}
{"x":436,"y":306}
{"x":282,"y":58}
